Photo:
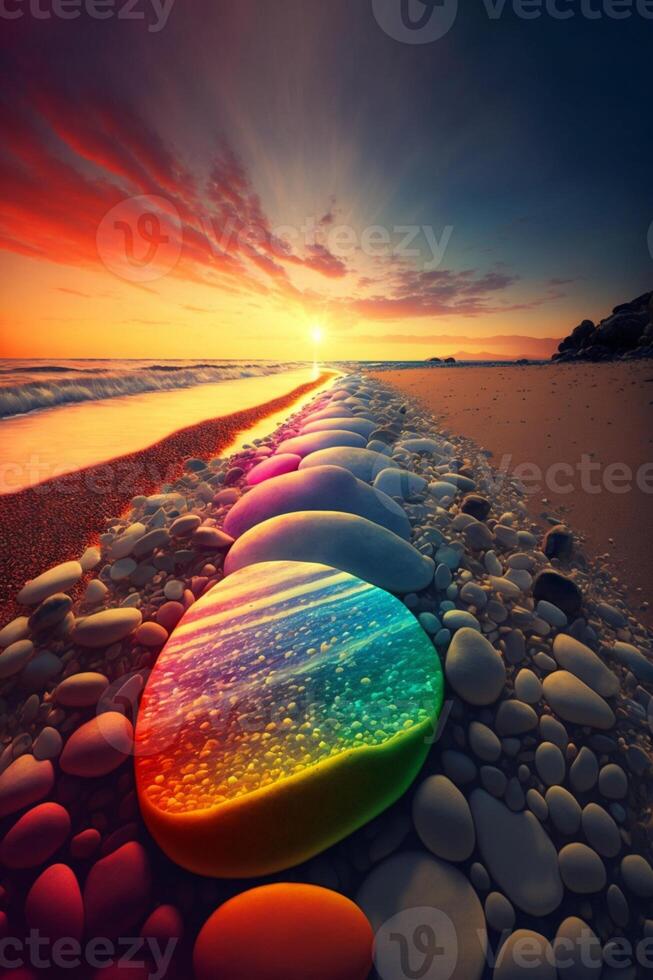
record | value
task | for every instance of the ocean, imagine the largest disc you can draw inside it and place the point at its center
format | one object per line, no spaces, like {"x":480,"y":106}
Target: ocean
{"x":59,"y":417}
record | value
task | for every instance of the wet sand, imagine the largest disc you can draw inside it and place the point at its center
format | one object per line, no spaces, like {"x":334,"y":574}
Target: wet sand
{"x":556,"y":414}
{"x":55,"y":520}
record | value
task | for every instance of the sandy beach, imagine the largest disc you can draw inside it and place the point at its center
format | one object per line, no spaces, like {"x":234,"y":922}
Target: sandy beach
{"x":545,"y":415}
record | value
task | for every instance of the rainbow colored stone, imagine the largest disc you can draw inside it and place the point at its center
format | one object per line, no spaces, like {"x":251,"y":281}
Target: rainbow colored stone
{"x":291,"y":705}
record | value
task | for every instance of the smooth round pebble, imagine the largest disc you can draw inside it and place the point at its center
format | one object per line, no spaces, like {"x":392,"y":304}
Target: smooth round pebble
{"x":637,"y":875}
{"x":117,"y":892}
{"x":25,"y":781}
{"x":518,"y":853}
{"x":483,"y":742}
{"x":528,"y":686}
{"x":294,"y":931}
{"x":584,"y":663}
{"x":578,"y":951}
{"x":601,"y":831}
{"x":47,"y":744}
{"x":35,"y":836}
{"x":474,"y":668}
{"x":173,"y":590}
{"x":58,"y":579}
{"x":99,"y":746}
{"x":151,"y":635}
{"x":575,"y":702}
{"x":581,"y":869}
{"x":15,"y":657}
{"x":17,"y":629}
{"x":515,"y":718}
{"x":584,"y":771}
{"x":81,"y":690}
{"x":443,"y":820}
{"x":613,"y":782}
{"x":169,"y":614}
{"x":54,"y":905}
{"x":104,"y":628}
{"x":550,"y":764}
{"x":397,"y":895}
{"x":564,"y":810}
{"x":499,"y":912}
{"x":525,"y":954}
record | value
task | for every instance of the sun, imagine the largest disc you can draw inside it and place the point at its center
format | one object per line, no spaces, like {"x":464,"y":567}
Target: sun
{"x":317,"y":333}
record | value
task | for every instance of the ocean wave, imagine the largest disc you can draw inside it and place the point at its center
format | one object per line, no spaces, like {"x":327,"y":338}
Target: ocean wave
{"x":49,"y":369}
{"x":34,"y":396}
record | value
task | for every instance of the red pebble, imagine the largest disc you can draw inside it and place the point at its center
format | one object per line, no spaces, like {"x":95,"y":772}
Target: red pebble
{"x":35,"y":836}
{"x":164,"y":924}
{"x":85,"y":844}
{"x":169,"y":615}
{"x":285,"y":932}
{"x":198,"y":584}
{"x":99,"y":746}
{"x":117,"y":891}
{"x":23,"y":782}
{"x":54,"y":904}
{"x":151,"y":634}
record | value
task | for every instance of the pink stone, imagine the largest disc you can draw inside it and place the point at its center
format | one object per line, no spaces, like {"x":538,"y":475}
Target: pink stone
{"x":35,"y":836}
{"x":85,"y":844}
{"x":275,"y":466}
{"x":163,"y":924}
{"x":99,"y":746}
{"x":54,"y":904}
{"x":117,"y":892}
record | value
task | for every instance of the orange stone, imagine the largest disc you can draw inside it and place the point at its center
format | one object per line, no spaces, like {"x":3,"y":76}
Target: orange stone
{"x":285,"y":932}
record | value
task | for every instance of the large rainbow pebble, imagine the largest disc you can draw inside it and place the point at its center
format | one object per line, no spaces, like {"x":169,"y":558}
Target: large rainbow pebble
{"x":292,"y":704}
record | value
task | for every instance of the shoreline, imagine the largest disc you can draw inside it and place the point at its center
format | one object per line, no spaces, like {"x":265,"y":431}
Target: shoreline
{"x":549,"y":417}
{"x":58,"y":518}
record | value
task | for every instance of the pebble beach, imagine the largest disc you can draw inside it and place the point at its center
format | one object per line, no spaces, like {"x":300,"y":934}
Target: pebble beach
{"x":505,"y":801}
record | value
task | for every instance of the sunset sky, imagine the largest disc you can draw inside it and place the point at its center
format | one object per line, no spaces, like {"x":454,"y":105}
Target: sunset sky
{"x":282,"y":145}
